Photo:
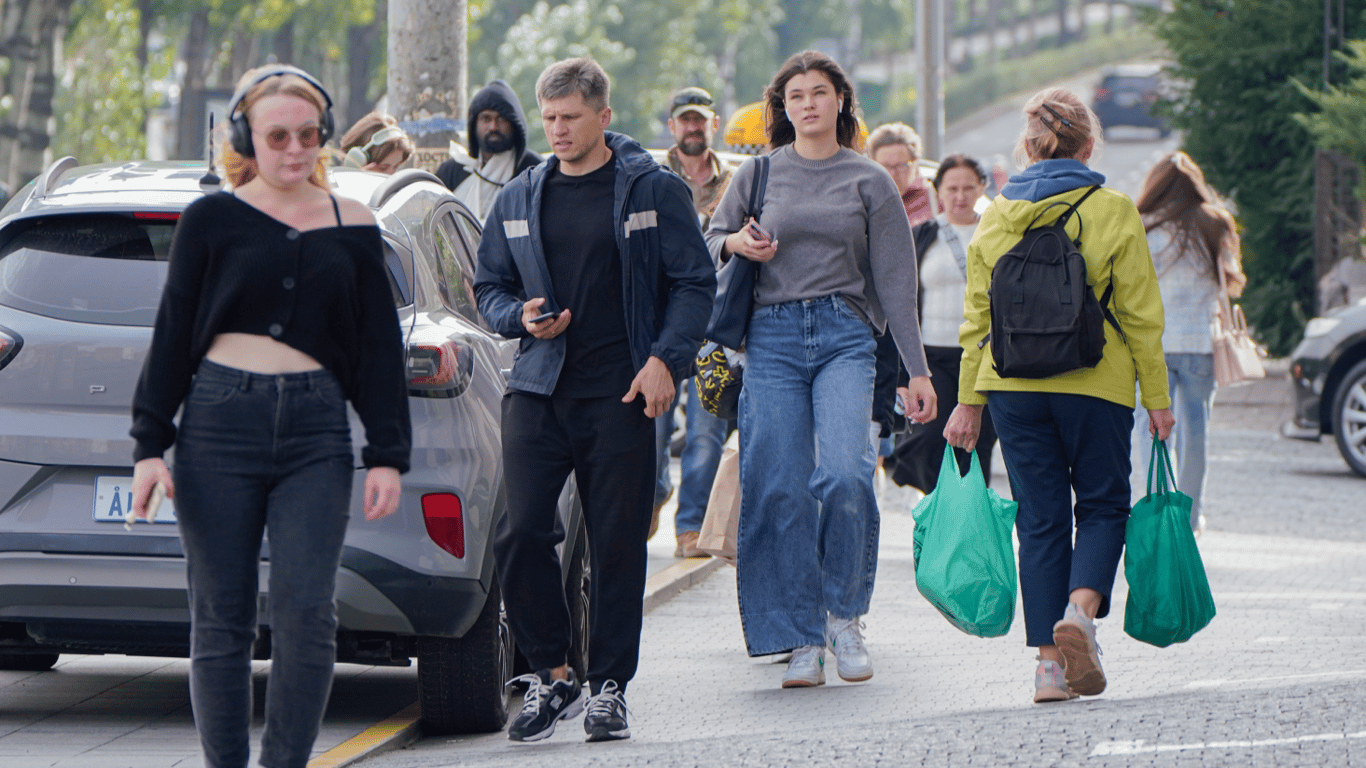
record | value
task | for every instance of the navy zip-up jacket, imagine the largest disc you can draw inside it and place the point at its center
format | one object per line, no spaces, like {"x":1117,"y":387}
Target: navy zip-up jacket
{"x":667,"y":278}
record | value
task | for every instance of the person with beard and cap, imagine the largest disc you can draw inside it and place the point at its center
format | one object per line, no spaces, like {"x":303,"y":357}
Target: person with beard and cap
{"x":693,"y":123}
{"x":497,"y":149}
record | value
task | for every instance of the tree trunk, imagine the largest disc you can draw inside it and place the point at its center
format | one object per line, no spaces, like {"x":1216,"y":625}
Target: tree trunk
{"x":187,"y":119}
{"x":1062,"y":23}
{"x":360,"y":51}
{"x":34,"y":49}
{"x":1031,"y":18}
{"x":1109,"y":16}
{"x":1080,"y":32}
{"x":284,"y":43}
{"x":428,"y":66}
{"x":853,"y":41}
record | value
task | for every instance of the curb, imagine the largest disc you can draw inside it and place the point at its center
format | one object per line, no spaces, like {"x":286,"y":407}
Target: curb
{"x":401,"y":729}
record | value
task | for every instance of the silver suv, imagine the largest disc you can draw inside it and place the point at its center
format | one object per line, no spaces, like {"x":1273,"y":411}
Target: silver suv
{"x":83,"y":257}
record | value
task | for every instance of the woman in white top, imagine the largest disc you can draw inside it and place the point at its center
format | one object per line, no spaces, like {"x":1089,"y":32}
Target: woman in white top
{"x":1190,"y":237}
{"x":941,"y":246}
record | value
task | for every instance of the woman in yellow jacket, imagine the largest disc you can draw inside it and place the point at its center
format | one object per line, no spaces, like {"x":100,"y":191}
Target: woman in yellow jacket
{"x":1068,"y":433}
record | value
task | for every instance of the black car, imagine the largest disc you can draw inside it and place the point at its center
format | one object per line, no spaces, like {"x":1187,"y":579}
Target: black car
{"x":1328,"y":373}
{"x":1126,"y":96}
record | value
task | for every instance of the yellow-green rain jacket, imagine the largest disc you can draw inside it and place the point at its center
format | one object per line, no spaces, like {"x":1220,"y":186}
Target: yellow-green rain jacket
{"x":1115,"y":247}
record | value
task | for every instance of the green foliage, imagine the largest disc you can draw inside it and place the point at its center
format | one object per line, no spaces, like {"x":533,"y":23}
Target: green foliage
{"x":1341,"y":110}
{"x":101,"y":100}
{"x":1240,"y":60}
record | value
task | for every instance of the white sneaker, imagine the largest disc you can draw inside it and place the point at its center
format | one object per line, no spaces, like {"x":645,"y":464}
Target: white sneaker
{"x":845,"y":637}
{"x":807,"y":667}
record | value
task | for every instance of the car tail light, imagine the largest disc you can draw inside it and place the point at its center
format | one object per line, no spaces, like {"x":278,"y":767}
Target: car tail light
{"x":445,"y":521}
{"x":1102,"y":94}
{"x":10,"y":342}
{"x":439,"y":369}
{"x":157,"y":215}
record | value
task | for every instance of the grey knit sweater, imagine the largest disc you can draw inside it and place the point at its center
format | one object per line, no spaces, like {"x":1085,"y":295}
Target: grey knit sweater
{"x":841,"y":230}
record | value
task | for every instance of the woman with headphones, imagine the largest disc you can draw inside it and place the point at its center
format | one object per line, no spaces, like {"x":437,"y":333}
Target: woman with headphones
{"x":276,"y":312}
{"x":376,"y":143}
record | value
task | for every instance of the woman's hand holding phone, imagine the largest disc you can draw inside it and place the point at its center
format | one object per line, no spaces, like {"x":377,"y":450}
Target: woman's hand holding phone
{"x":753,"y":242}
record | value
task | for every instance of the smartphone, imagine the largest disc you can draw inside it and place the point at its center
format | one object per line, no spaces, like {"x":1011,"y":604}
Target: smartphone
{"x":154,"y":500}
{"x":544,"y":317}
{"x":757,"y":232}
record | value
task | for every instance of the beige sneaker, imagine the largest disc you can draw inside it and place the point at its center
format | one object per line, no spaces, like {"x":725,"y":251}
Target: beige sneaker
{"x":1075,"y":636}
{"x":1050,"y":684}
{"x":687,"y":545}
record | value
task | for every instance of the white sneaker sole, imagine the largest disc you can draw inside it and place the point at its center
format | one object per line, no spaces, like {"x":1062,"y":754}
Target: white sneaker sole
{"x":856,"y":675}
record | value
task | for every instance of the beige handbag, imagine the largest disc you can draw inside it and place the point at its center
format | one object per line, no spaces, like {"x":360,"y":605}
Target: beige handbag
{"x":721,"y":527}
{"x":1235,"y":356}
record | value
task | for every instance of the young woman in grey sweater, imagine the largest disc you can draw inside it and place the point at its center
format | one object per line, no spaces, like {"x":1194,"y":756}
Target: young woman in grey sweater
{"x":837,"y":267}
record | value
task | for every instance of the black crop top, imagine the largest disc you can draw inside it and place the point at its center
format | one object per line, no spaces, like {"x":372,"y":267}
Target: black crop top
{"x":236,"y":269}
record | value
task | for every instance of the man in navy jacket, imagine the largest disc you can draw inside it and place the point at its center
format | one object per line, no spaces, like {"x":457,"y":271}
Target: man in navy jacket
{"x":595,"y":260}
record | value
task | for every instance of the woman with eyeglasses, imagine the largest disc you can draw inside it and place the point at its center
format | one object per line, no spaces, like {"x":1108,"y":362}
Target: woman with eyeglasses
{"x":275,"y":313}
{"x":1066,"y":436}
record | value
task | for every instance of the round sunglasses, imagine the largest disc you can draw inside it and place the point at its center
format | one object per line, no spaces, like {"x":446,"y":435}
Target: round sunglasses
{"x":277,"y":139}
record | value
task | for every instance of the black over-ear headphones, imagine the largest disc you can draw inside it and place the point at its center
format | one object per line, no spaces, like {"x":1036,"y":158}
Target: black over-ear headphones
{"x":239,"y":131}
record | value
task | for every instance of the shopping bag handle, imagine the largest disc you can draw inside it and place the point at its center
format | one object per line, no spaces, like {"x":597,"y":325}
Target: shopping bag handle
{"x":1159,"y":462}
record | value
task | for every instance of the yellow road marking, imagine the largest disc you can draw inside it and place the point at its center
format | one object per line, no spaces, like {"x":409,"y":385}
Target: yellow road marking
{"x":398,"y":726}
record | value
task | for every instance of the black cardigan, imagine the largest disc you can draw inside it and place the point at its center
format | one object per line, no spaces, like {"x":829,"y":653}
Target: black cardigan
{"x":236,"y":269}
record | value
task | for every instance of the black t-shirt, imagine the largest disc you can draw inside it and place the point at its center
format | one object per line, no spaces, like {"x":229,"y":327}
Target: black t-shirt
{"x":577,"y":235}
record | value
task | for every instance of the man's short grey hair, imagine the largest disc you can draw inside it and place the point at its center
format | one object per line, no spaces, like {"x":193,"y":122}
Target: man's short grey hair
{"x":582,"y":76}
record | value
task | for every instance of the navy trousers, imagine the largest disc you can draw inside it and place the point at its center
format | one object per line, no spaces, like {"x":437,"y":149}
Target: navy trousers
{"x":1055,"y":446}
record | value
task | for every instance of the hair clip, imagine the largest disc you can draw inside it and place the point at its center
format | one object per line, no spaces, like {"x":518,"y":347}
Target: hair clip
{"x":1054,"y":113}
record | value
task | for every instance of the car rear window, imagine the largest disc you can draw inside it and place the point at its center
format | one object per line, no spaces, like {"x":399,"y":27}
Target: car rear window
{"x":1121,"y":83}
{"x":102,"y":268}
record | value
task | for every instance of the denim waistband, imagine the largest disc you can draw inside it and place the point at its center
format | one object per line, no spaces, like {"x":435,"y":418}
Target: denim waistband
{"x":247,"y":381}
{"x":818,"y":301}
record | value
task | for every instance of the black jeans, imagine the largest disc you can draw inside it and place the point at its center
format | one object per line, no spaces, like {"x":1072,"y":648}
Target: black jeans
{"x":610,"y":447}
{"x":258,"y":453}
{"x":917,"y":457}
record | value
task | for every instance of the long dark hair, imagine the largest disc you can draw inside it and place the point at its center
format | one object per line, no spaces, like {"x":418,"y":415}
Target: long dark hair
{"x":780,"y":130}
{"x":1175,"y":192}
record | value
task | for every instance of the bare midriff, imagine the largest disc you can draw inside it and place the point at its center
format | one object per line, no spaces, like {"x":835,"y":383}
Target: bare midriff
{"x":259,"y":354}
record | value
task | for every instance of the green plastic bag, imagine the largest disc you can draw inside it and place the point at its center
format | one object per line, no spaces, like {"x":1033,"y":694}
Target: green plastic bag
{"x":964,"y":559}
{"x":1169,"y":598}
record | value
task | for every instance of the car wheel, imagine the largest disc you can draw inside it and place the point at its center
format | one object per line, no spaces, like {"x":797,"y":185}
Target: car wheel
{"x":1349,"y":418}
{"x":576,"y":594}
{"x":462,"y":682}
{"x":27,"y":662}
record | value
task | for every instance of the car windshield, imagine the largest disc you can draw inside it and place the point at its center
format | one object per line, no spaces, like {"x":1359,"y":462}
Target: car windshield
{"x":101,"y":268}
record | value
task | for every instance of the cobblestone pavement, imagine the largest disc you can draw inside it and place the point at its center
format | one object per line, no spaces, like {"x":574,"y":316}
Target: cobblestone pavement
{"x":1276,"y":679}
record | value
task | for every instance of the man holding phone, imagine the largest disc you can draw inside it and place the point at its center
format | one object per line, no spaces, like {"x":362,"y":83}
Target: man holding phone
{"x":595,"y":260}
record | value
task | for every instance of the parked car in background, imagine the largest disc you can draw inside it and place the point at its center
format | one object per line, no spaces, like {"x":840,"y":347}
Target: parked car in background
{"x":1328,"y":374}
{"x":1126,"y":95}
{"x":83,"y":258}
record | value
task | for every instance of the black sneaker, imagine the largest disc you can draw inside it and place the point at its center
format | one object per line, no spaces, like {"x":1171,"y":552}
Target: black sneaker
{"x":606,"y":718}
{"x":546,"y":702}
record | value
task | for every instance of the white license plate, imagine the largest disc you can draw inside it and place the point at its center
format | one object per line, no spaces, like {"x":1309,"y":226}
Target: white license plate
{"x":114,"y":499}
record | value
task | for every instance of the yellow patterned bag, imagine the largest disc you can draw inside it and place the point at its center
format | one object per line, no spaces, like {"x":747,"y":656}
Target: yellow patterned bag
{"x":720,"y":373}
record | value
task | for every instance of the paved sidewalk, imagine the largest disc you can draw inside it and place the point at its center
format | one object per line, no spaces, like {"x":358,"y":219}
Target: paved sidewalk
{"x":1276,"y":679}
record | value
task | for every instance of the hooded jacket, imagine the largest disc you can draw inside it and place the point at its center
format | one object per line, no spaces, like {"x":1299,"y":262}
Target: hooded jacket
{"x":667,"y":278}
{"x":1115,"y":247}
{"x":499,"y":97}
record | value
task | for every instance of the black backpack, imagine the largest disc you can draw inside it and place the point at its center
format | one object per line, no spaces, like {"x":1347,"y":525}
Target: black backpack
{"x":1045,"y":319}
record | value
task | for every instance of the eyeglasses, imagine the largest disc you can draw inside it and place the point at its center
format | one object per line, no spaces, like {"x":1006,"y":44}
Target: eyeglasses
{"x":277,"y":139}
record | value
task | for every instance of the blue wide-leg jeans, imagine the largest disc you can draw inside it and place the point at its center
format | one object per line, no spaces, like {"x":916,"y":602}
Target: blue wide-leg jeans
{"x":1190,"y":379}
{"x":258,"y":454}
{"x":808,"y":519}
